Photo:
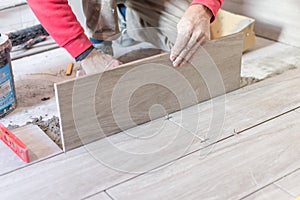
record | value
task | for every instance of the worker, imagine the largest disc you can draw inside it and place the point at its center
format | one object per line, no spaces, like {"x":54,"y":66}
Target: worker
{"x":179,"y":26}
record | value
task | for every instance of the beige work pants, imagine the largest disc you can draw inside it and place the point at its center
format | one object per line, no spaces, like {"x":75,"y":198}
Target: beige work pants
{"x":152,"y":21}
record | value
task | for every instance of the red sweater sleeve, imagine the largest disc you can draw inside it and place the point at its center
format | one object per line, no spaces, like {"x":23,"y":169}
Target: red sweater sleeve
{"x":58,"y":19}
{"x":213,"y":5}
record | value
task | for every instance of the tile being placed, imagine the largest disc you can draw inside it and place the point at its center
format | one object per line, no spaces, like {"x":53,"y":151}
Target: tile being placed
{"x":103,"y":104}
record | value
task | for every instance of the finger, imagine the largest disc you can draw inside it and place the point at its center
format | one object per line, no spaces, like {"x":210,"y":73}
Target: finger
{"x":186,"y":51}
{"x":114,"y":64}
{"x":181,"y":41}
{"x":117,"y":64}
{"x":189,"y":56}
{"x":109,"y":62}
{"x":195,"y":48}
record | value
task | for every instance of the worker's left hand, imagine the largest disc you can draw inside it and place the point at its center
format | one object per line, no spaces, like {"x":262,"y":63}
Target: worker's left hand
{"x":193,"y":30}
{"x":97,"y":62}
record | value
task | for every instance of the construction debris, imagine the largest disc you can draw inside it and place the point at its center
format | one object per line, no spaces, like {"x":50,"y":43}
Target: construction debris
{"x":50,"y":127}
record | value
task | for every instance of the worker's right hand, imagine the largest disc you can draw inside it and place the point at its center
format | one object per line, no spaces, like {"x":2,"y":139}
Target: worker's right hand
{"x":193,"y":31}
{"x":97,"y":62}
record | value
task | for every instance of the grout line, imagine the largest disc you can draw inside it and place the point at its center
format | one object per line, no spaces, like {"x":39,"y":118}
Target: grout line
{"x":108,"y":195}
{"x":92,"y":195}
{"x":33,"y":163}
{"x":266,"y":185}
{"x":284,"y":190}
{"x":268,"y":120}
{"x":89,"y":196}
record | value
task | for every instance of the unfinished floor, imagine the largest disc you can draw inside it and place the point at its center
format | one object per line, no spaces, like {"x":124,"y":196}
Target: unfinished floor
{"x":250,"y":152}
{"x":257,"y":158}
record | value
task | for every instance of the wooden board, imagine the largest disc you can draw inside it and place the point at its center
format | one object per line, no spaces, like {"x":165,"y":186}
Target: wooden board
{"x":270,"y":192}
{"x":104,"y":104}
{"x":270,"y":20}
{"x":40,"y":147}
{"x":234,"y":169}
{"x":82,"y":174}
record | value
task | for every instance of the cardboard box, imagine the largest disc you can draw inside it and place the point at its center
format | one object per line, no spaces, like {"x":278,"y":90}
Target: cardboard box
{"x":227,"y":23}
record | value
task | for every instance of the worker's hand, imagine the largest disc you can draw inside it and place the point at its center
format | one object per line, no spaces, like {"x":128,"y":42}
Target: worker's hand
{"x":97,"y":62}
{"x":193,"y":30}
